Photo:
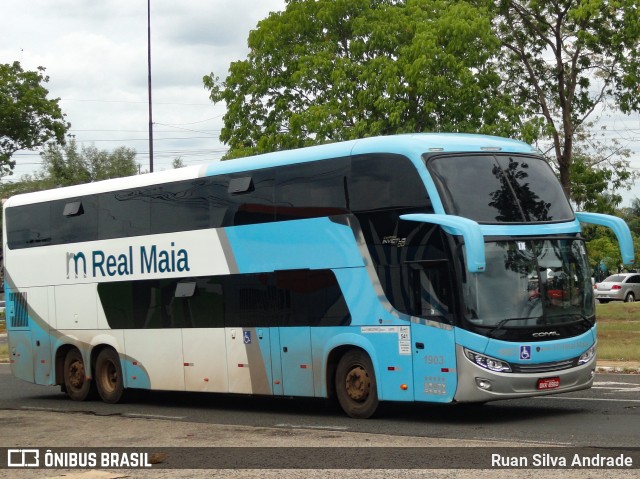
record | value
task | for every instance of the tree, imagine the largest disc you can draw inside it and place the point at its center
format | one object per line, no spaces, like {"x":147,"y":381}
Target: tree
{"x":326,"y":70}
{"x":177,"y":162}
{"x":631,"y":215}
{"x":67,"y":165}
{"x":562,"y":59}
{"x":28,"y":119}
{"x":604,"y":256}
{"x":599,"y":169}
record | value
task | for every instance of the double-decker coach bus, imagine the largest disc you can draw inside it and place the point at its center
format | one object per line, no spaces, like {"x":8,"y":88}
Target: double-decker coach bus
{"x":425,"y":267}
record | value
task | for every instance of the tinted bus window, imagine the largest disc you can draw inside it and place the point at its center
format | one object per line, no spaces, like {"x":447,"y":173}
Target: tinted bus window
{"x":253,"y":204}
{"x":380,"y":181}
{"x":74,"y":220}
{"x":182,"y":206}
{"x":536,"y":188}
{"x":502,"y":189}
{"x":124,"y":213}
{"x":29,"y":226}
{"x":311,"y":190}
{"x":282,"y":298}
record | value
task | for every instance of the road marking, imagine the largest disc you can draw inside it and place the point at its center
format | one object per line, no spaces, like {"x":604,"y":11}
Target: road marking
{"x":613,"y":383}
{"x":618,"y":386}
{"x":329,"y":428}
{"x":588,"y":399}
{"x":619,"y":389}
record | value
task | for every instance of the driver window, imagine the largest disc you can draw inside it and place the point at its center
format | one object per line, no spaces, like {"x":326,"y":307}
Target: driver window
{"x":431,"y":289}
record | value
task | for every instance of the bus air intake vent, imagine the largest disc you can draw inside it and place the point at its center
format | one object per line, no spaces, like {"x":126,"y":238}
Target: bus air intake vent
{"x":20,"y":315}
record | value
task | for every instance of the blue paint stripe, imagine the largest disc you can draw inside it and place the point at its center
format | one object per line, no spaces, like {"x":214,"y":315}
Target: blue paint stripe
{"x":410,"y":145}
{"x":531,"y":229}
{"x":316,"y":243}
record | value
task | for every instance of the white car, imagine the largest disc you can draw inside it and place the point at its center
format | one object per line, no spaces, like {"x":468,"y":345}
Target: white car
{"x":619,"y":287}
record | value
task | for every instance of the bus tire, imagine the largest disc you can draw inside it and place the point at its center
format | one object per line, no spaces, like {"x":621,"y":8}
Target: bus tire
{"x":356,"y":386}
{"x":108,"y":377}
{"x":76,"y":383}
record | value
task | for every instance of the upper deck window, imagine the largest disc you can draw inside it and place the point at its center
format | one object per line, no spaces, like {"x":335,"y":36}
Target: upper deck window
{"x":500,"y":188}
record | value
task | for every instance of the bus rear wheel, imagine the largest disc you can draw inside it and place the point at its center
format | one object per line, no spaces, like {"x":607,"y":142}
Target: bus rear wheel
{"x":108,"y":377}
{"x":356,"y":385}
{"x":77,"y":384}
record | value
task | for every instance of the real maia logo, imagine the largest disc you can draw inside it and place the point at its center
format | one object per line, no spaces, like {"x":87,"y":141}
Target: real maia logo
{"x":143,"y":260}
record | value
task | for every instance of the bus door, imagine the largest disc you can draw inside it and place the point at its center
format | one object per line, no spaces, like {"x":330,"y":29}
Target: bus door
{"x":296,"y":361}
{"x":432,"y":335}
{"x":249,"y":360}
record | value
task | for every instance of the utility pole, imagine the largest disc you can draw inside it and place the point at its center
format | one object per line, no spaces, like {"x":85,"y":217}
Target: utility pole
{"x":149,"y":85}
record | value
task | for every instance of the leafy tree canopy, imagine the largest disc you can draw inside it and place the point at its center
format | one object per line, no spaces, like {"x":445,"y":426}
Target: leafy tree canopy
{"x":66,"y":165}
{"x":69,"y":165}
{"x":330,"y":70}
{"x":600,"y":168}
{"x":562,"y":59}
{"x":28,"y":119}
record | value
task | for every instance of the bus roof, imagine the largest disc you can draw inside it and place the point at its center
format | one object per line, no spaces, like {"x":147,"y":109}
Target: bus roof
{"x":411,"y":145}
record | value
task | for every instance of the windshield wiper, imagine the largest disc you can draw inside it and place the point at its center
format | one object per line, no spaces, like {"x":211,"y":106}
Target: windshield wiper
{"x":503,"y":322}
{"x":579,"y":317}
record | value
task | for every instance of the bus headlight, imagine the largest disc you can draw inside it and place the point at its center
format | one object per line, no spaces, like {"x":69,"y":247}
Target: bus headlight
{"x":487,"y":362}
{"x":587,"y":355}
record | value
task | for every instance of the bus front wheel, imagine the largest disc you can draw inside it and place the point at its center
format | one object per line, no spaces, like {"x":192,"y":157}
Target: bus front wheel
{"x":76,"y":383}
{"x":356,"y":386}
{"x":109,"y":380}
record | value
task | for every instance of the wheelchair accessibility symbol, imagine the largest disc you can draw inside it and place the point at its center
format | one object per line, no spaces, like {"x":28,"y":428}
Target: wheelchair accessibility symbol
{"x":246,"y":336}
{"x":525,"y":352}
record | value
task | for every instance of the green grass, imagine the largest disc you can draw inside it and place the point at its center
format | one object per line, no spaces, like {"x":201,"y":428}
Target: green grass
{"x":619,"y":331}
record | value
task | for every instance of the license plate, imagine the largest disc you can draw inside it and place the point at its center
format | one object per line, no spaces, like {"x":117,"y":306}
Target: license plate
{"x":548,"y":383}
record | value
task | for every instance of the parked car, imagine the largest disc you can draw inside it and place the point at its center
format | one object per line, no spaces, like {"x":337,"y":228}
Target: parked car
{"x":619,"y":287}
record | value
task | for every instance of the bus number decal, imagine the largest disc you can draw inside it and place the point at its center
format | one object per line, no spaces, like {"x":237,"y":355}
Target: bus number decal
{"x":436,"y":359}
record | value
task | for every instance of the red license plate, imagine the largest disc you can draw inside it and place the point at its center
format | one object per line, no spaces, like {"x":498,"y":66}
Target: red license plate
{"x":548,"y":383}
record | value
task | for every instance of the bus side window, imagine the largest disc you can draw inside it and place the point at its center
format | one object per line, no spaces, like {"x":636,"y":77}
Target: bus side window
{"x":311,"y":190}
{"x":29,"y":226}
{"x":124,"y":213}
{"x":182,"y":206}
{"x":431,"y":289}
{"x":74,"y":221}
{"x":250,"y":199}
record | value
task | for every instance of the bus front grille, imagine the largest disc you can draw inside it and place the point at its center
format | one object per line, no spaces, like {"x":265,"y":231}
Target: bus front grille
{"x":544,"y":367}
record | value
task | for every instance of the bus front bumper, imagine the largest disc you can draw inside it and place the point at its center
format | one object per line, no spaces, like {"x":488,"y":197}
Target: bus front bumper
{"x":476,"y":384}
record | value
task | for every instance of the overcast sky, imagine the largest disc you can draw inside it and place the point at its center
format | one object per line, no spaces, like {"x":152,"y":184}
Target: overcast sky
{"x":95,"y":53}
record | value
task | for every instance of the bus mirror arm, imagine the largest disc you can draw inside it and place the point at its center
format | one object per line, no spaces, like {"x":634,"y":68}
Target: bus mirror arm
{"x":618,"y":226}
{"x":457,"y":225}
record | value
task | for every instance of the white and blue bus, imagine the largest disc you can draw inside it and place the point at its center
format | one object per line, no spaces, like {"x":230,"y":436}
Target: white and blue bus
{"x":426,"y":267}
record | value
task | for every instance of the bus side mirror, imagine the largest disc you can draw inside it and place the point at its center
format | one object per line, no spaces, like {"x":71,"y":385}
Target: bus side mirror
{"x":457,"y":225}
{"x":618,"y":226}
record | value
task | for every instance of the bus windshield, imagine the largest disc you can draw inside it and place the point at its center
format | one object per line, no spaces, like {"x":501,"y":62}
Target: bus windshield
{"x":500,"y":188}
{"x":530,"y":283}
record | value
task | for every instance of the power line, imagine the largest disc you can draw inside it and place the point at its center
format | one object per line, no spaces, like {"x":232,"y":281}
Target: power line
{"x":134,"y":101}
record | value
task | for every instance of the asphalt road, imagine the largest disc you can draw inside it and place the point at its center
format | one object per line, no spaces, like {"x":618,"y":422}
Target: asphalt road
{"x":608,"y":415}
